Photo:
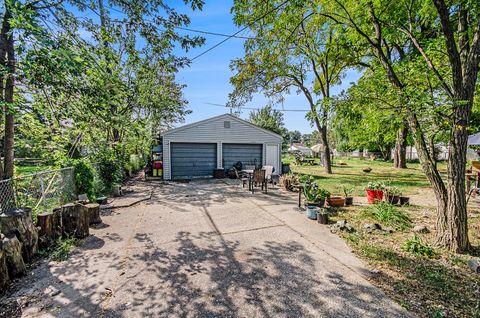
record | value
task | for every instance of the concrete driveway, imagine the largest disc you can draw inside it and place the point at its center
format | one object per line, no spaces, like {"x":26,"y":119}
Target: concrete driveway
{"x":207,"y":249}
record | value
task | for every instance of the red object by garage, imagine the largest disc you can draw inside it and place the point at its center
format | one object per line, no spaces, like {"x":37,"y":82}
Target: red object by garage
{"x":157,"y":165}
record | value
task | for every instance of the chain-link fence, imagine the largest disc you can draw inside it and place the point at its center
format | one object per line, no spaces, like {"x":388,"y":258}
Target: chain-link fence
{"x":40,"y":191}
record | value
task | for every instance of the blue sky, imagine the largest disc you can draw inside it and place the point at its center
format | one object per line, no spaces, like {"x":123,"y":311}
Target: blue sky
{"x":207,"y":78}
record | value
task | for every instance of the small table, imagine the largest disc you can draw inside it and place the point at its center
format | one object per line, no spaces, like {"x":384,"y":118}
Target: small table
{"x":300,"y":190}
{"x":308,"y":161}
{"x":250,"y":174}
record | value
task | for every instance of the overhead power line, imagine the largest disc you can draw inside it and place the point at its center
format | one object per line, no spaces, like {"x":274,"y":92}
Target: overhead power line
{"x":241,"y":30}
{"x":253,"y":108}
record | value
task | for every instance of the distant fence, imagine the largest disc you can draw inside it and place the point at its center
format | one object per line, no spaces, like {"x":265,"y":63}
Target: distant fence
{"x":40,"y":191}
{"x":410,"y":154}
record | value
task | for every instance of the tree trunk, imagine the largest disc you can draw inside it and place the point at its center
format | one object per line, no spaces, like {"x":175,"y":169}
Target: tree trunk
{"x":20,"y":223}
{"x":4,"y":278}
{"x":13,"y":255}
{"x":9,"y":100}
{"x":75,"y":220}
{"x":326,"y":150}
{"x":400,"y":153}
{"x":456,"y":235}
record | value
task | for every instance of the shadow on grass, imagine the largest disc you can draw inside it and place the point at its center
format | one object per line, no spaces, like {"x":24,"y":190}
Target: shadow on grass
{"x":420,"y":280}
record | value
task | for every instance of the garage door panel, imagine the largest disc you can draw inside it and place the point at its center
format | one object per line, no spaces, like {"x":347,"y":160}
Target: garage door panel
{"x":192,"y":160}
{"x":246,"y":153}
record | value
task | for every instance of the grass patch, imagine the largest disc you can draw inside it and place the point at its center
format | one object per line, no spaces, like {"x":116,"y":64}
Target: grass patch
{"x":351,"y":175}
{"x":429,"y":285}
{"x":59,"y":250}
{"x":21,"y":170}
{"x":388,"y":215}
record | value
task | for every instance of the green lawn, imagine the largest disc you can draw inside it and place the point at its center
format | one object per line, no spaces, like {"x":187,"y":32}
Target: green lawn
{"x":22,"y":170}
{"x":351,"y":175}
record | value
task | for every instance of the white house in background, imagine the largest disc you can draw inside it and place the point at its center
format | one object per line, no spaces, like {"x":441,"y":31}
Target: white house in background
{"x":195,"y":150}
{"x":299,"y":147}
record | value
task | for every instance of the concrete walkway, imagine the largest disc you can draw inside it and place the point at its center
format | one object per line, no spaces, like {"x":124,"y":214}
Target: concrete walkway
{"x":207,"y":249}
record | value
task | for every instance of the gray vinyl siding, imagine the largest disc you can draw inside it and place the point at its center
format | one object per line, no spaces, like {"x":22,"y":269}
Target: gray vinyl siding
{"x":193,"y":160}
{"x":248,"y":154}
{"x":213,"y":131}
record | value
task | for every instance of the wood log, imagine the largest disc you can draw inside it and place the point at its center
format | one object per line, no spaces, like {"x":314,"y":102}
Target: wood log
{"x":46,"y":233}
{"x":93,"y":210}
{"x":57,"y":224}
{"x":20,"y":223}
{"x":13,"y":254}
{"x":4,"y":277}
{"x":75,"y":220}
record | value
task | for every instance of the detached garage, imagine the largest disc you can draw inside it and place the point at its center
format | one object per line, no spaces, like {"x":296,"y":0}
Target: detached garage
{"x":195,"y":150}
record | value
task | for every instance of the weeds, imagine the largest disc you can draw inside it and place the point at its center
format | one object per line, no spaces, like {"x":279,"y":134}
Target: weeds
{"x":59,"y":250}
{"x":388,"y":215}
{"x":415,"y":246}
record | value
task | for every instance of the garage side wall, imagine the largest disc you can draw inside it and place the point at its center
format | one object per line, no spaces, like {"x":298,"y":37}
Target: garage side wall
{"x":216,"y":131}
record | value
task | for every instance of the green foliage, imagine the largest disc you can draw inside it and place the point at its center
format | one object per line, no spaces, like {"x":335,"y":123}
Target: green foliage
{"x":415,"y":246}
{"x":110,"y":169}
{"x":392,"y":190}
{"x":388,"y":214}
{"x":268,"y":118}
{"x":59,"y":250}
{"x":313,"y":193}
{"x":375,"y":185}
{"x":84,"y":177}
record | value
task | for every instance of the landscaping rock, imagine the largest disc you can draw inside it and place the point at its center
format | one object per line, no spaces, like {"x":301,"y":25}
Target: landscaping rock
{"x":389,"y":229}
{"x":421,"y":229}
{"x":369,"y":228}
{"x":342,"y":225}
{"x":474,"y":265}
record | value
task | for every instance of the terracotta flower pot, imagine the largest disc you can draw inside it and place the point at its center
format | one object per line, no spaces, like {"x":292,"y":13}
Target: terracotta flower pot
{"x":335,"y":201}
{"x":374,"y":196}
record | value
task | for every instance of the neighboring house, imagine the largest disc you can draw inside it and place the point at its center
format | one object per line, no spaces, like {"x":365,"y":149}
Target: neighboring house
{"x":299,"y":147}
{"x":195,"y":150}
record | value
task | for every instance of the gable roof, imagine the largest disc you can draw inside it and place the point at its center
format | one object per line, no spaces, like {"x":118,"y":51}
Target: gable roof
{"x":226,"y":116}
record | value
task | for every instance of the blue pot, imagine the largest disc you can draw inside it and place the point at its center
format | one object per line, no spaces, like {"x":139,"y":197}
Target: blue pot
{"x":311,"y":212}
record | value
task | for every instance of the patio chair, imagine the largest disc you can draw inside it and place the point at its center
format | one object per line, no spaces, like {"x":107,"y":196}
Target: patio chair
{"x":249,"y":167}
{"x":259,"y":178}
{"x":271,"y":177}
{"x":243,"y":178}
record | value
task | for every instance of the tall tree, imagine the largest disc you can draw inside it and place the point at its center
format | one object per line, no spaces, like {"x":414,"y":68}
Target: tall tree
{"x":48,"y":31}
{"x":436,"y":30}
{"x":268,"y":118}
{"x":289,"y":52}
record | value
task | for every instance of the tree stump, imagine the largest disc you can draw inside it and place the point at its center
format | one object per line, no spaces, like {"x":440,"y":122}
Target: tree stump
{"x":57,"y":224}
{"x":46,"y":233}
{"x":13,"y":255}
{"x":4,"y":278}
{"x":20,"y":223}
{"x":93,"y":210}
{"x":75,"y":220}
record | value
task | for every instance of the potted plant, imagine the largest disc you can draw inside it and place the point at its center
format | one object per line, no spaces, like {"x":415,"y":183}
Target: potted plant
{"x":322,"y":216}
{"x":335,"y":201}
{"x":348,"y":195}
{"x":392,"y":195}
{"x":311,"y":212}
{"x":404,"y":200}
{"x":374,"y":192}
{"x":314,"y":195}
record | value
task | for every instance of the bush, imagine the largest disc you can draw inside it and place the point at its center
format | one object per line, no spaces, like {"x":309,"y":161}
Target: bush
{"x":388,"y":215}
{"x":415,"y":246}
{"x":84,"y":176}
{"x":110,"y":170}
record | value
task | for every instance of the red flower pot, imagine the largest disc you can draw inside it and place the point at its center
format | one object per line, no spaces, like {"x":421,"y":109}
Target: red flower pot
{"x":374,"y":196}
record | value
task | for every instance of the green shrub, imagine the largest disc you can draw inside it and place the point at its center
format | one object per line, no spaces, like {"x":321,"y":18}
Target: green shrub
{"x":388,"y":214}
{"x":110,"y":170}
{"x":415,"y":246}
{"x":84,"y":177}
